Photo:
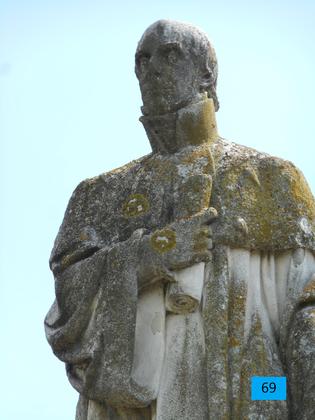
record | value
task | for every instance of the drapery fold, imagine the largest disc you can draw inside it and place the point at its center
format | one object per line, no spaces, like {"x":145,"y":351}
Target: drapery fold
{"x":253,"y":305}
{"x":250,"y":300}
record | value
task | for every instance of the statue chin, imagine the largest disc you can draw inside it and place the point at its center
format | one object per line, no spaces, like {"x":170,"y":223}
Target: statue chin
{"x":163,"y":105}
{"x":158,"y":106}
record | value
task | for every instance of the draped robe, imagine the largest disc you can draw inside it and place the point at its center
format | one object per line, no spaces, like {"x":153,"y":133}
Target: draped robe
{"x":126,"y":355}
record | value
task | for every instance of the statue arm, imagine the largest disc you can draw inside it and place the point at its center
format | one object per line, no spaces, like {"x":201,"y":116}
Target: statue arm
{"x":300,"y":350}
{"x":92,"y":323}
{"x":77,"y":281}
{"x":77,"y":262}
{"x":96,"y":296}
{"x":98,"y":292}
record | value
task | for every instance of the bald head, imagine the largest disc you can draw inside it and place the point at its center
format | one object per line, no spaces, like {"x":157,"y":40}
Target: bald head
{"x":175,"y":64}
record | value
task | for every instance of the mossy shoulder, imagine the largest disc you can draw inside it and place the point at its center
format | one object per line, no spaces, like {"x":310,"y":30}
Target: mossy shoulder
{"x":269,"y":194}
{"x":263,"y":202}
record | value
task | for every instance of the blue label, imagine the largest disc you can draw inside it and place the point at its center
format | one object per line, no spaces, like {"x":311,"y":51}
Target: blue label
{"x":269,"y":388}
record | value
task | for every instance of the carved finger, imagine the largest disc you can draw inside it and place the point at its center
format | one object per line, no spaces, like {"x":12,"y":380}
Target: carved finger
{"x":209,"y":244}
{"x":209,"y":215}
{"x":205,"y":232}
{"x":202,"y":257}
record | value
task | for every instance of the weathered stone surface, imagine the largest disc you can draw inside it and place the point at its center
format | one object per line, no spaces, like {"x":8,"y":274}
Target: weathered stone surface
{"x":250,"y":183}
{"x":181,"y":275}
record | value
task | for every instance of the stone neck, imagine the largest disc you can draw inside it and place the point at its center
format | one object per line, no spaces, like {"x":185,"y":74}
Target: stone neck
{"x":194,"y":124}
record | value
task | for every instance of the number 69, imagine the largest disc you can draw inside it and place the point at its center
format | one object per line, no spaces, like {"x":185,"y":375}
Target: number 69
{"x":271,"y":388}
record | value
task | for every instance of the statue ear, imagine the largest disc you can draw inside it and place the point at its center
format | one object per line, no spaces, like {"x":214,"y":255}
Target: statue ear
{"x":206,"y":81}
{"x":207,"y":84}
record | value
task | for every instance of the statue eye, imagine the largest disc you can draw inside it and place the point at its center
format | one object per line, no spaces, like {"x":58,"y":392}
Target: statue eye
{"x":143,"y":61}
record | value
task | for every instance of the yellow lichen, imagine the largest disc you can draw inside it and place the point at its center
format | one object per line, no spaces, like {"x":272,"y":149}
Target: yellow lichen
{"x":83,"y":236}
{"x":135,"y":205}
{"x":199,"y":125}
{"x":271,"y":198}
{"x":163,"y":240}
{"x":160,"y":169}
{"x":65,"y":261}
{"x":234,"y":342}
{"x":310,"y":288}
{"x":201,"y":241}
{"x":195,"y":194}
{"x":199,"y":154}
{"x":308,"y":295}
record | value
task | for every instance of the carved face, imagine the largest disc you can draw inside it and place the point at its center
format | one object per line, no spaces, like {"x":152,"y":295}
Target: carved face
{"x":168,"y":76}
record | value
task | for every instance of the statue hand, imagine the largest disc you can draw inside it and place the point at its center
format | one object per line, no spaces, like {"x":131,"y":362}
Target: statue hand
{"x":177,"y":246}
{"x":185,"y":242}
{"x":192,"y":240}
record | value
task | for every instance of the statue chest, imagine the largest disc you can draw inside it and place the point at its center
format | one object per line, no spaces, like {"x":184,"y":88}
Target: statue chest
{"x":156,"y":193}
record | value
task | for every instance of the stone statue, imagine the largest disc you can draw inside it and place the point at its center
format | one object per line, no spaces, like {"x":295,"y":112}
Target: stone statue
{"x":181,"y":275}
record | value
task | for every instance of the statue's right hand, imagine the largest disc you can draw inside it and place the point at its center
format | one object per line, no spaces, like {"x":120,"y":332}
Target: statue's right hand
{"x":184,"y":242}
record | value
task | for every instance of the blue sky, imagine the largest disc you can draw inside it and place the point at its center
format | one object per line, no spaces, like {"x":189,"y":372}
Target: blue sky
{"x":69,"y":109}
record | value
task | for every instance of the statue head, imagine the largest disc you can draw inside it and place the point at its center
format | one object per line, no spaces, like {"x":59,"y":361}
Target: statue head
{"x":175,"y":66}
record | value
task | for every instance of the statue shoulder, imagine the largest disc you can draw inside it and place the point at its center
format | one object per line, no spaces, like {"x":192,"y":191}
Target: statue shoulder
{"x":83,"y":197}
{"x":106,"y":178}
{"x":268,"y":194}
{"x":228,"y":154}
{"x":235,"y":159}
{"x":91,"y":214}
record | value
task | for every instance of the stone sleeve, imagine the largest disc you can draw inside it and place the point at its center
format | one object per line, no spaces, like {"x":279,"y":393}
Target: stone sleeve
{"x":92,"y":325}
{"x":76,"y":290}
